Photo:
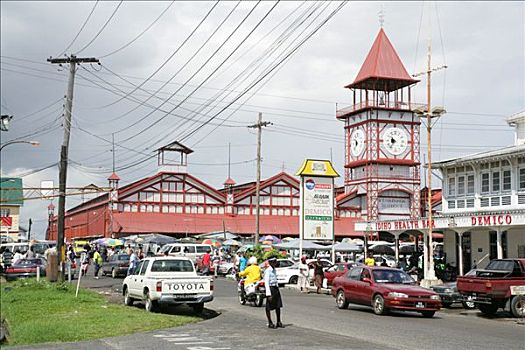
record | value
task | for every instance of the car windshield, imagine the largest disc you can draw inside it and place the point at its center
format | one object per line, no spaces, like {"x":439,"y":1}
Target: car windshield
{"x":28,"y":262}
{"x":123,"y":257}
{"x":172,"y":266}
{"x":391,"y":276}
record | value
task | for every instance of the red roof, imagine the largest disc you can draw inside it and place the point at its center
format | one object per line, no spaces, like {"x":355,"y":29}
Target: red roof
{"x":114,"y":176}
{"x":382,"y":69}
{"x":126,"y":223}
{"x":229,"y":181}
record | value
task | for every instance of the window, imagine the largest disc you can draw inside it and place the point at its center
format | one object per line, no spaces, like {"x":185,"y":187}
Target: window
{"x":355,"y":273}
{"x":470,"y":184}
{"x":495,"y":181}
{"x":506,"y":180}
{"x":461,"y":185}
{"x":485,"y":182}
{"x":493,"y":239}
{"x":144,"y":267}
{"x":522,"y":179}
{"x":451,"y":186}
{"x":5,"y":212}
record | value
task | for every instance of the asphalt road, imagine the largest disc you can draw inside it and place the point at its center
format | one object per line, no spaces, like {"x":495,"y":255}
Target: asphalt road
{"x":313,"y":322}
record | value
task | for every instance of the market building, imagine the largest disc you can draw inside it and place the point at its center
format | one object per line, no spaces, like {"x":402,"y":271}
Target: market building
{"x":11,"y":201}
{"x":174,"y":202}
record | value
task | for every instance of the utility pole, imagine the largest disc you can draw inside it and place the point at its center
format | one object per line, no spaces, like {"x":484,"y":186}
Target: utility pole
{"x":62,"y":177}
{"x":260,"y":124}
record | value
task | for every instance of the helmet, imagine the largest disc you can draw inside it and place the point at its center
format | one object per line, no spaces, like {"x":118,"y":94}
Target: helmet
{"x":252,"y":261}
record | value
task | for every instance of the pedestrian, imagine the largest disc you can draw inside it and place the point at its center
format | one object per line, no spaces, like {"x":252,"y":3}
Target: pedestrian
{"x":111,"y":252}
{"x":97,"y":261}
{"x":303,"y":275}
{"x":205,"y":262}
{"x":133,"y":261}
{"x":318,"y":275}
{"x":236,"y":261}
{"x":242,"y":262}
{"x":370,"y":261}
{"x":17,"y":256}
{"x":273,"y":295}
{"x":215,"y":262}
{"x":140,"y":254}
{"x":30,"y":254}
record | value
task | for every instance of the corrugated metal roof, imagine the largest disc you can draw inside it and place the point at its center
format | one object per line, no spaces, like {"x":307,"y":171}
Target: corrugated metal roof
{"x":517,"y":151}
{"x":382,"y":68}
{"x":192,"y":224}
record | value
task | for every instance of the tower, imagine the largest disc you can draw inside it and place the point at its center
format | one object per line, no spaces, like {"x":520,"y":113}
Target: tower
{"x":173,"y":158}
{"x":382,"y":136}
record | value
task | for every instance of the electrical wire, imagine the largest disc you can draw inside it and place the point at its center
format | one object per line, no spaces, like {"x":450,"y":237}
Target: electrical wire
{"x":101,"y":29}
{"x":80,"y":30}
{"x":140,"y":34}
{"x":170,"y":57}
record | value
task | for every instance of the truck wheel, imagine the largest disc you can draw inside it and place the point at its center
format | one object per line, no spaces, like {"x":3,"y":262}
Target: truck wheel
{"x":198,"y":308}
{"x":113,"y":273}
{"x":488,"y":309}
{"x":517,"y":306}
{"x":428,"y":314}
{"x":151,"y":305}
{"x":127,"y":299}
{"x":293,"y":280}
{"x":340,"y":300}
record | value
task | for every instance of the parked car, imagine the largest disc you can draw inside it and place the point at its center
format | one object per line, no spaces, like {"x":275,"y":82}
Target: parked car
{"x":167,"y":280}
{"x":491,"y":288}
{"x":384,"y":289}
{"x":288,"y":275}
{"x":225,"y":268}
{"x":24,"y":268}
{"x":117,"y":265}
{"x":337,"y":270}
{"x":450,"y":295}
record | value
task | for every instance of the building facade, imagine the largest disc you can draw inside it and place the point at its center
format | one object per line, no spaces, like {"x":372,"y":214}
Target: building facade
{"x":484,"y":201}
{"x":11,"y":200}
{"x":174,"y":202}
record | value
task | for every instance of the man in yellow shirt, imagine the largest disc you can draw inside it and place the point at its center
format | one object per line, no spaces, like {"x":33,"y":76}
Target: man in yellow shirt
{"x":370,"y":261}
{"x":252,"y":272}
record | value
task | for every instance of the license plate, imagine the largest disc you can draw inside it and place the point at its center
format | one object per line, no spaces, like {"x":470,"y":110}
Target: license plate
{"x":420,"y":305}
{"x":184,"y":296}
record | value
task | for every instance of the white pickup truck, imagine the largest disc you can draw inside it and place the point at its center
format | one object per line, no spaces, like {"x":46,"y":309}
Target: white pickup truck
{"x":167,"y":280}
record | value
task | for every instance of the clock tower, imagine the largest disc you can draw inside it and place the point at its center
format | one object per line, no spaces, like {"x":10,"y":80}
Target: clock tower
{"x":382,"y":137}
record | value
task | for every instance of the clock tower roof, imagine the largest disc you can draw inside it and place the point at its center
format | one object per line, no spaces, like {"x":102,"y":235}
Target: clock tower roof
{"x":382,"y":69}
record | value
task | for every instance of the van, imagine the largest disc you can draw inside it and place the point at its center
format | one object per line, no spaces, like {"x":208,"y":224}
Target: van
{"x":190,"y":250}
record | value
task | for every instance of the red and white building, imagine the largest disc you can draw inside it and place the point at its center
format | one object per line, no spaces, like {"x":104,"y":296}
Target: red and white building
{"x":174,"y":202}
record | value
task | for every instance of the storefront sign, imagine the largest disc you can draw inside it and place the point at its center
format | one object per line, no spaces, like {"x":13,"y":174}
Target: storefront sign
{"x":317,"y":199}
{"x":445,"y":222}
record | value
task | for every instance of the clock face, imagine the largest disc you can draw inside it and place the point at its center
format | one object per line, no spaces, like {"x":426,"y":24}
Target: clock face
{"x":357,"y":142}
{"x":395,"y":141}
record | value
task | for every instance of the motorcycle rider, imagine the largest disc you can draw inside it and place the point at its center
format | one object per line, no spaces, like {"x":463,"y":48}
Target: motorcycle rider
{"x":252,"y":273}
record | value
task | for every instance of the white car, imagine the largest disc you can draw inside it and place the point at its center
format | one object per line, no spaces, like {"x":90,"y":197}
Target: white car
{"x":288,"y":275}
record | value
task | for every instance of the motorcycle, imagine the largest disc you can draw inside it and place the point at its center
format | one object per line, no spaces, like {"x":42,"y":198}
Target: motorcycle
{"x":254,"y":293}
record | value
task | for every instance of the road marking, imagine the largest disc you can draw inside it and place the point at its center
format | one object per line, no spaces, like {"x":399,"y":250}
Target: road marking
{"x":192,"y":342}
{"x":182,"y":339}
{"x":170,"y":335}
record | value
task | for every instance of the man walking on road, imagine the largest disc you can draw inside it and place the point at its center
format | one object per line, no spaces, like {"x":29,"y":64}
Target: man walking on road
{"x":97,"y":260}
{"x":303,"y":275}
{"x":318,"y":275}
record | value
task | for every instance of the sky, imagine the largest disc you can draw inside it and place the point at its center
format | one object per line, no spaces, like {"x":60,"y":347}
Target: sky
{"x":212,"y":67}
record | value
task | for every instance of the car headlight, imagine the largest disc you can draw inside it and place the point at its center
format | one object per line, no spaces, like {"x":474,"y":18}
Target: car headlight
{"x":397,"y":295}
{"x":435,"y":297}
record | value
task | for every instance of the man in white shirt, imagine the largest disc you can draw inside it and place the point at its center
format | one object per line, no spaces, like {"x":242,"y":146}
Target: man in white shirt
{"x":273,"y":295}
{"x":302,"y":282}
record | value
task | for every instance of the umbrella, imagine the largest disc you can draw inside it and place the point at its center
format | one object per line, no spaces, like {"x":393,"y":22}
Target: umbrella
{"x":382,"y":249}
{"x":231,"y":242}
{"x":213,"y":242}
{"x":346,"y":247}
{"x":109,"y":242}
{"x":307,"y":245}
{"x":267,"y":242}
{"x":287,"y":239}
{"x":407,"y":248}
{"x":272,"y":238}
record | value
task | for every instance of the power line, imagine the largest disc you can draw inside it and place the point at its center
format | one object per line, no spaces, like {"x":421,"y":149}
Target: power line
{"x":141,"y":33}
{"x":101,"y":29}
{"x":80,"y":30}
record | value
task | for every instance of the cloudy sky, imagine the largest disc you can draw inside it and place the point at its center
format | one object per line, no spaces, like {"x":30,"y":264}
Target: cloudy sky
{"x":201,"y":71}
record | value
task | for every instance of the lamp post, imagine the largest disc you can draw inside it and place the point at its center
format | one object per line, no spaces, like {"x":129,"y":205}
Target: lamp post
{"x":4,"y":122}
{"x":50,"y":214}
{"x":365,"y":243}
{"x":32,"y":143}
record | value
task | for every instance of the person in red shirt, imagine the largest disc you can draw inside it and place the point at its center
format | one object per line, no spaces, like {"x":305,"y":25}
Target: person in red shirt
{"x":206,"y":263}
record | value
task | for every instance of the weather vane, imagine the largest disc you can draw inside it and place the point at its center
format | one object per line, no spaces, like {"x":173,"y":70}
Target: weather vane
{"x":381,"y":17}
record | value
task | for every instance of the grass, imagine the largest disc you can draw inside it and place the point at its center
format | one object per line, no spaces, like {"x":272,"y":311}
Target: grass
{"x":40,"y":312}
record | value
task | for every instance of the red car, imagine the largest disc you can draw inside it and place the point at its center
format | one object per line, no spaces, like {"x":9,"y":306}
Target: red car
{"x":338,"y":270}
{"x":384,"y":289}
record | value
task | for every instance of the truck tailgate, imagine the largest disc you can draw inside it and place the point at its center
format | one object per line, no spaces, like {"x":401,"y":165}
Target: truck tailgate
{"x":190,"y":286}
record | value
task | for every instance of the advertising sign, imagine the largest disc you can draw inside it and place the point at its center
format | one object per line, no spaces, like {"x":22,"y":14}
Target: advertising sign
{"x":318,"y":208}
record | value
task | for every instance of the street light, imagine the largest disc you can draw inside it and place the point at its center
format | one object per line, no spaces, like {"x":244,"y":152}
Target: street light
{"x":32,"y":143}
{"x":4,"y":122}
{"x":428,"y":252}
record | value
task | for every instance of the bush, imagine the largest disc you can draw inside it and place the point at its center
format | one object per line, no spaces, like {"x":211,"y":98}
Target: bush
{"x":261,"y":255}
